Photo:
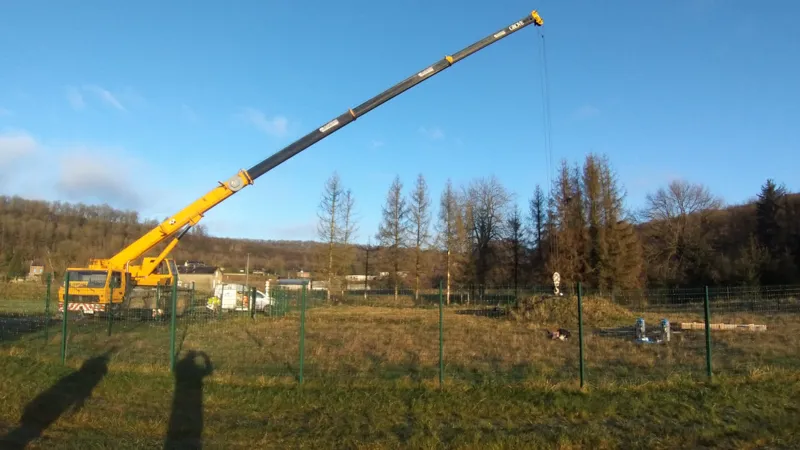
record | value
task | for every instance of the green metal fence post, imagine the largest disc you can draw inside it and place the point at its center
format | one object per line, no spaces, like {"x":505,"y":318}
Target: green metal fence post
{"x":580,"y":334}
{"x":441,"y":336}
{"x":272,"y":293}
{"x":708,"y":332}
{"x":110,"y":304}
{"x":172,"y":324}
{"x":158,"y":300}
{"x":64,"y":320}
{"x":302,"y":332}
{"x":47,"y":309}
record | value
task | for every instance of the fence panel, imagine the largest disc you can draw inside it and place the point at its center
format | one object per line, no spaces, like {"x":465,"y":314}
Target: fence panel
{"x":755,"y":329}
{"x":484,"y":335}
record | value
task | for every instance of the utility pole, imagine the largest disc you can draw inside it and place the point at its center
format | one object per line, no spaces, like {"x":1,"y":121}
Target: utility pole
{"x":366,"y":273}
{"x":367,"y":248}
{"x":247,"y":272}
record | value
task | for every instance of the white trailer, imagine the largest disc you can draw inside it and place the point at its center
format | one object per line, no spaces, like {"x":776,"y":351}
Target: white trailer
{"x":236,"y":297}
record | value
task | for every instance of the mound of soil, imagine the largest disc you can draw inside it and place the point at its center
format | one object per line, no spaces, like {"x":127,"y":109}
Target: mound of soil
{"x":563,"y":311}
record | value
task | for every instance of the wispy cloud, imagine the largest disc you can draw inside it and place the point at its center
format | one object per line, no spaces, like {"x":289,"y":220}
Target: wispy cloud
{"x":84,"y":174}
{"x":376,"y":144}
{"x":188,"y":113}
{"x":79,"y":172}
{"x":5,"y":112}
{"x":586,"y":112}
{"x":434,"y":133}
{"x":15,"y":146}
{"x":105,"y":95}
{"x":75,"y":98}
{"x":274,"y":126}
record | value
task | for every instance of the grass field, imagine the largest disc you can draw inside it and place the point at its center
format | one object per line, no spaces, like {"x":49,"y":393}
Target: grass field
{"x":371,"y":381}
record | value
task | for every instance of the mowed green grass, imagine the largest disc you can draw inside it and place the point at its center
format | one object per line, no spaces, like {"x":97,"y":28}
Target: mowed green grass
{"x":371,"y":381}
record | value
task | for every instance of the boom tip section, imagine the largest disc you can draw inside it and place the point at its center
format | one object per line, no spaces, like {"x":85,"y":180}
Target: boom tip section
{"x":537,"y":19}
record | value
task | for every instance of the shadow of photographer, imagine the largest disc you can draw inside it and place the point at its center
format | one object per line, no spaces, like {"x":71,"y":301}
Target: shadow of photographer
{"x":185,"y":427}
{"x":68,"y":394}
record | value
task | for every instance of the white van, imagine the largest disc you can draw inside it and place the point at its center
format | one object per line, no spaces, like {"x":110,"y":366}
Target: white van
{"x":236,"y":297}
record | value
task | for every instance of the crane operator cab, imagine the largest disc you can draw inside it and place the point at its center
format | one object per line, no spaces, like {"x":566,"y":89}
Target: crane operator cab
{"x":91,"y":290}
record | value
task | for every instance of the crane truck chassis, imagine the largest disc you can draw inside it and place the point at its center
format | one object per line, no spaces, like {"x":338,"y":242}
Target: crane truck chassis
{"x":112,"y":281}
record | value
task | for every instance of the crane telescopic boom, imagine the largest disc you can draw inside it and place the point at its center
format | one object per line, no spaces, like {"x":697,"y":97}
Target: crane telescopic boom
{"x":192,"y":213}
{"x":352,"y":114}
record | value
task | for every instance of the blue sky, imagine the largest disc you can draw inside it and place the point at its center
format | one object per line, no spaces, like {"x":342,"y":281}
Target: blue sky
{"x":148,"y":105}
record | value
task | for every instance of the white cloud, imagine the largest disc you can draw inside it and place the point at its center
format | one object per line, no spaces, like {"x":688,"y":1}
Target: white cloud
{"x":274,"y":126}
{"x":586,"y":111}
{"x":87,"y":173}
{"x":15,"y":146}
{"x":78,"y":173}
{"x":105,"y":95}
{"x":434,"y":133}
{"x":75,"y":98}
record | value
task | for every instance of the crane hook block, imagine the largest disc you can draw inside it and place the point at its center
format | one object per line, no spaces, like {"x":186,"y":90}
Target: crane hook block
{"x":537,"y":19}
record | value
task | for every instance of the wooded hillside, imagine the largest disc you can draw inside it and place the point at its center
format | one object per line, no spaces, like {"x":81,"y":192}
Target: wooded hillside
{"x":473,"y":234}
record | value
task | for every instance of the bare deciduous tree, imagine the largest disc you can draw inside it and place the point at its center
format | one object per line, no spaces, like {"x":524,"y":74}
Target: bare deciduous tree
{"x":488,"y":203}
{"x":419,"y":225}
{"x":393,"y":230}
{"x":449,"y":229}
{"x":347,"y":231}
{"x":515,"y":237}
{"x":328,"y":225}
{"x":537,"y":219}
{"x":678,"y":216}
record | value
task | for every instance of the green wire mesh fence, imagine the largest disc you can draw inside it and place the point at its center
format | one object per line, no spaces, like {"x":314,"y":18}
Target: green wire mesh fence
{"x":472,"y":335}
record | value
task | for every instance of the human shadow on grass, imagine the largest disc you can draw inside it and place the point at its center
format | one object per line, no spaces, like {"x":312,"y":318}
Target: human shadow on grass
{"x":15,"y":326}
{"x":186,"y":419}
{"x":68,"y":393}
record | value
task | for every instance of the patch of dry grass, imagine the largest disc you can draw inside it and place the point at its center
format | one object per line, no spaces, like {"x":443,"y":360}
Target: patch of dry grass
{"x":390,"y":343}
{"x":371,"y":381}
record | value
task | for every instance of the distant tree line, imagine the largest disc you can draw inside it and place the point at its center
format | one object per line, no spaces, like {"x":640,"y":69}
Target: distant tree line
{"x":59,"y":235}
{"x":477,"y":234}
{"x":480,"y":234}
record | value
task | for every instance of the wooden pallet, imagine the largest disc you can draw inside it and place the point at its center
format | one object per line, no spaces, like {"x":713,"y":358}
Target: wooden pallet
{"x":723,"y":326}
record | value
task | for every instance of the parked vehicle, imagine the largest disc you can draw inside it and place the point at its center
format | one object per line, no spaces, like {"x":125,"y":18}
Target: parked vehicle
{"x":236,"y":297}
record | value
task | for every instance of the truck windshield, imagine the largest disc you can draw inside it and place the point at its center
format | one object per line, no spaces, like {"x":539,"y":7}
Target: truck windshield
{"x":92,"y":278}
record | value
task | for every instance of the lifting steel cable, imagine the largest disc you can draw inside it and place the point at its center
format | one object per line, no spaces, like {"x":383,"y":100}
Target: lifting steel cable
{"x":548,"y":150}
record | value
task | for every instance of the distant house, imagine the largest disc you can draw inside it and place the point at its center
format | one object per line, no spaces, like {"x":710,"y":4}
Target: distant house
{"x":204,"y":277}
{"x":292,"y":283}
{"x":355,"y":278}
{"x":193,"y":263}
{"x":197,"y":270}
{"x":36,"y":271}
{"x":303,"y":274}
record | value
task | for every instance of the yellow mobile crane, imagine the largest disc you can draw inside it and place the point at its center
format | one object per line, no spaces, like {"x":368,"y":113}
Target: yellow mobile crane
{"x":90,"y":288}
